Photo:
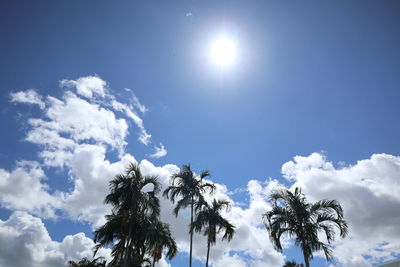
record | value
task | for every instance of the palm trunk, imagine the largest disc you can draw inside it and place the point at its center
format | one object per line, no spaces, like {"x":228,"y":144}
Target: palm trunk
{"x":154,"y":261}
{"x":306,"y":259}
{"x":127,"y":247}
{"x":305,"y":254}
{"x":191,"y":233}
{"x":208,"y":252}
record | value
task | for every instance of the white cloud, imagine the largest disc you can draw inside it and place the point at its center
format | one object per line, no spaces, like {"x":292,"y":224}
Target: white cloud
{"x":91,"y":174}
{"x":144,"y":136}
{"x":88,"y":86}
{"x":136,"y":102}
{"x":251,"y":239}
{"x":78,"y":246}
{"x":29,"y":96}
{"x":77,"y":133}
{"x":24,"y":189}
{"x":159,"y":153}
{"x":369,"y":192}
{"x":163,"y":262}
{"x":25,"y":242}
{"x":73,"y":121}
{"x":91,"y":86}
{"x":227,"y":260}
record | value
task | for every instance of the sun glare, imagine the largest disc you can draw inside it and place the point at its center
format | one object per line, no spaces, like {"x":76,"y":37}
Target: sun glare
{"x":223,"y":51}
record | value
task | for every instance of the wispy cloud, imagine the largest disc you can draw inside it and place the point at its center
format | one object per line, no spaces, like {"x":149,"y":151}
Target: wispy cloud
{"x":136,"y":102}
{"x":160,"y":151}
{"x":29,"y":96}
{"x":144,"y":137}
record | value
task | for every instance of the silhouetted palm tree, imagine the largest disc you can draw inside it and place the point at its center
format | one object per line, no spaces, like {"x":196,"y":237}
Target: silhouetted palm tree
{"x":191,"y":190}
{"x":210,"y":221}
{"x":292,"y":214}
{"x":159,"y":237}
{"x":85,"y":262}
{"x":135,"y":212}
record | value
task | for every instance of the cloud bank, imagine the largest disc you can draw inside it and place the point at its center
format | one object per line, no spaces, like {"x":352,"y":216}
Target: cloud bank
{"x":24,"y":241}
{"x":76,"y":132}
{"x":369,"y":192}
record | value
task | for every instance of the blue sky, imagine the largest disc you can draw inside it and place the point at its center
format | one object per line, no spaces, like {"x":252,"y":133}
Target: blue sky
{"x":317,"y":80}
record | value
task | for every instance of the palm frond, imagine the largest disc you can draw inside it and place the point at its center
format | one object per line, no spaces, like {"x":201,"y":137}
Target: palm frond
{"x":181,"y":204}
{"x":293,"y":215}
{"x":131,"y":229}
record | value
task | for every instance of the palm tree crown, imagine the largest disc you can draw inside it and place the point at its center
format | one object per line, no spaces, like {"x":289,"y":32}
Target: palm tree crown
{"x":85,"y":262}
{"x":190,"y":190}
{"x":292,"y":214}
{"x":135,"y":214}
{"x":210,"y":221}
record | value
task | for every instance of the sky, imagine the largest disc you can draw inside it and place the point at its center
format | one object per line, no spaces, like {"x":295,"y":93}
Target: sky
{"x":311,"y":99}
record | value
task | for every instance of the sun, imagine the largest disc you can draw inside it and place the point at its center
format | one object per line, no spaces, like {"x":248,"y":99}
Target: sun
{"x":223,"y":51}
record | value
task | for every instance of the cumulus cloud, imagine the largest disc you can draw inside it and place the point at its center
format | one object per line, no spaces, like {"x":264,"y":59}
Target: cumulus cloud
{"x":250,"y":239}
{"x":159,"y":153}
{"x":24,"y":189}
{"x":92,"y":86}
{"x":88,"y":86}
{"x":73,"y":121}
{"x":25,"y":242}
{"x":29,"y":96}
{"x":369,"y":192}
{"x":73,"y":133}
{"x":91,"y":174}
{"x":77,"y":133}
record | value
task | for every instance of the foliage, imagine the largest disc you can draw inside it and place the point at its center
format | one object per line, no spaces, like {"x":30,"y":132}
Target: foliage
{"x":190,"y":189}
{"x":210,"y":221}
{"x":293,"y":215}
{"x":133,"y":227}
{"x":159,"y":237}
{"x":85,"y":262}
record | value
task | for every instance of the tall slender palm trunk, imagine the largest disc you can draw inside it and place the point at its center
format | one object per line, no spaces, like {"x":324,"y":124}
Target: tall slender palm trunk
{"x":128,"y":244}
{"x":208,"y":252}
{"x":306,"y":261}
{"x":191,"y":233}
{"x":305,"y":254}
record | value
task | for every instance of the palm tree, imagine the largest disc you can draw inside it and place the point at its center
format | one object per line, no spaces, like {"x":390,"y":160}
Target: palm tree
{"x":292,"y":214}
{"x":159,"y":238}
{"x":210,"y":219}
{"x":191,"y":190}
{"x":135,"y":211}
{"x":85,"y":262}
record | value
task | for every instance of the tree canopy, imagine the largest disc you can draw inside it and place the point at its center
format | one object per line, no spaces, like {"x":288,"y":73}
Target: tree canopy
{"x":291,"y":214}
